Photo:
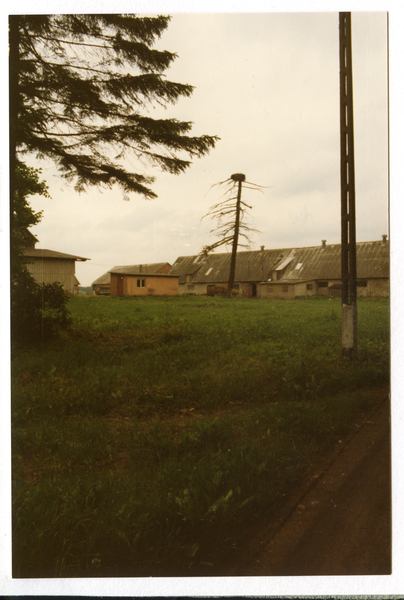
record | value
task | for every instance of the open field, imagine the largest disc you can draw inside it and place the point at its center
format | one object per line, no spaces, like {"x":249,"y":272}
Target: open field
{"x":148,"y":437}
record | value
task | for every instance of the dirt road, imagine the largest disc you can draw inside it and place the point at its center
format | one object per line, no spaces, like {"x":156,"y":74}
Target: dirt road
{"x":341,"y":525}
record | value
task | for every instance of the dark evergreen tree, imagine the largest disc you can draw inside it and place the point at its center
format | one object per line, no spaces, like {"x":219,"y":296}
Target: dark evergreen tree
{"x":78,"y":84}
{"x":37,"y":311}
{"x":28,"y":183}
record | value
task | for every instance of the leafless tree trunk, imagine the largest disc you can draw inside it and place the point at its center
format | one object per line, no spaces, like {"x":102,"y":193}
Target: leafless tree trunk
{"x":239,"y":177}
{"x":234,"y":227}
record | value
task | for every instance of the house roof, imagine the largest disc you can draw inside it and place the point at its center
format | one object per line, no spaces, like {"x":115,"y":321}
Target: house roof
{"x":291,"y":264}
{"x":252,"y":265}
{"x":372,"y":260}
{"x":43,"y":253}
{"x":187,"y":265}
{"x":144,"y":269}
{"x":103,"y":280}
{"x":143,"y":274}
{"x":151,"y":269}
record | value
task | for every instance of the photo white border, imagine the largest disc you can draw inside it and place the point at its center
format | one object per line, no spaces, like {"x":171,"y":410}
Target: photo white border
{"x":382,"y":586}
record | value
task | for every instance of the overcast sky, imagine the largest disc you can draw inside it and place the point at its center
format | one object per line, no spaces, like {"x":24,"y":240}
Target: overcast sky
{"x":268,"y":85}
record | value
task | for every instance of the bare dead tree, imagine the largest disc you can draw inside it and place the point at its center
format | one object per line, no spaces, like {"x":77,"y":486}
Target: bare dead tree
{"x":231,"y":214}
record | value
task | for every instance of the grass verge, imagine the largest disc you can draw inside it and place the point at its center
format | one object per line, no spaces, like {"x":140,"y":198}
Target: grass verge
{"x":151,"y":434}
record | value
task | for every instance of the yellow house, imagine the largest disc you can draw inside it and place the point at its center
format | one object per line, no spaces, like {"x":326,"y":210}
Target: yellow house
{"x":139,"y":280}
{"x":102,"y":285}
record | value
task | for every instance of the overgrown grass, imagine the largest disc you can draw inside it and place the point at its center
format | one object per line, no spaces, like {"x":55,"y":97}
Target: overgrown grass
{"x":151,"y":433}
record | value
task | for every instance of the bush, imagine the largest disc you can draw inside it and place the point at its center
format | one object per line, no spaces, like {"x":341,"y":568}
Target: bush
{"x":38,"y":312}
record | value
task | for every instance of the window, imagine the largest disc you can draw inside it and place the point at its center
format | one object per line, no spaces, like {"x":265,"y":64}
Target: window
{"x":322,"y":284}
{"x":309,"y":286}
{"x":270,"y":288}
{"x":285,"y":288}
{"x":190,"y":287}
{"x":141,"y":283}
{"x":361,"y":284}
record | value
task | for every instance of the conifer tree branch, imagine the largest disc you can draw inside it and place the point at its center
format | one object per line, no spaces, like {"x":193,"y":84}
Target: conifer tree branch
{"x":80,"y":81}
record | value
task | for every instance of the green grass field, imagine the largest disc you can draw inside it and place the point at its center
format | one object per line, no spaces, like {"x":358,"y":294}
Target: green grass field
{"x":149,"y":436}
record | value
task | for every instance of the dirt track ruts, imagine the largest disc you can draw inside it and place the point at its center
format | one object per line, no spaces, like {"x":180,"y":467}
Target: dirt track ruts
{"x":342,"y":525}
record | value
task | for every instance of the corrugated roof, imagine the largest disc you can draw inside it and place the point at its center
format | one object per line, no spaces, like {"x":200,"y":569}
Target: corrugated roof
{"x":372,"y":260}
{"x":187,"y":265}
{"x":251,"y":265}
{"x":291,"y":264}
{"x":316,"y":263}
{"x":130,"y":270}
{"x":143,"y":274}
{"x":103,"y":280}
{"x":43,"y":253}
{"x":144,"y":269}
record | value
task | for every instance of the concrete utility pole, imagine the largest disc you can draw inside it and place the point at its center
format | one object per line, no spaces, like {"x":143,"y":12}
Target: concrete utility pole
{"x":348,"y":222}
{"x":239,"y":177}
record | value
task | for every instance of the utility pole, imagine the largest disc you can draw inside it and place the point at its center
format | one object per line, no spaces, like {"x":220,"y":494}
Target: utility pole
{"x":239,"y":177}
{"x":348,"y":222}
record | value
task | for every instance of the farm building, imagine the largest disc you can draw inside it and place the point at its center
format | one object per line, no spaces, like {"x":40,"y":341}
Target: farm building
{"x":102,"y":285}
{"x":49,"y":266}
{"x":140,"y":282}
{"x":208,"y":274}
{"x":286,"y":273}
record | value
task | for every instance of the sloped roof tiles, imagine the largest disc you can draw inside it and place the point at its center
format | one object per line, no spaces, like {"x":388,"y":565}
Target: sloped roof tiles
{"x":144,"y":269}
{"x":291,"y":264}
{"x":150,"y":269}
{"x":43,"y":253}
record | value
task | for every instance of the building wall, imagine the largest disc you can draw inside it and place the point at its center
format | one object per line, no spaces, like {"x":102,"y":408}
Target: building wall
{"x":101,"y":289}
{"x":126,"y":285}
{"x":244,"y":290}
{"x":50,"y":270}
{"x":314,"y":288}
{"x":195,"y":289}
{"x":370,"y":288}
{"x":305,"y":289}
{"x":375,"y":288}
{"x":276,"y":290}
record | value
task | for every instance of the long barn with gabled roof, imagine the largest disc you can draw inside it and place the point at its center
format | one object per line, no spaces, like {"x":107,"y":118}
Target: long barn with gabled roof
{"x":286,"y":272}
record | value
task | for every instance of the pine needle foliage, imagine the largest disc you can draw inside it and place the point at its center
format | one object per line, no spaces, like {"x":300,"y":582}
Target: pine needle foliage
{"x":22,"y":217}
{"x":78,"y":86}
